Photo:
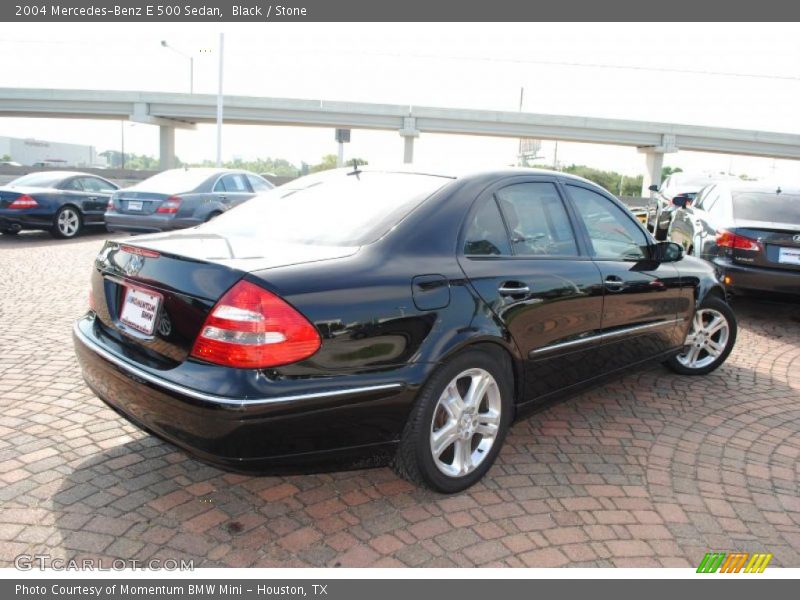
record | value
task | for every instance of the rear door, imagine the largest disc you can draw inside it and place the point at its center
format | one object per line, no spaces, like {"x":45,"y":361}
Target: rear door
{"x":232,"y":189}
{"x":642,"y":297}
{"x":524,"y":259}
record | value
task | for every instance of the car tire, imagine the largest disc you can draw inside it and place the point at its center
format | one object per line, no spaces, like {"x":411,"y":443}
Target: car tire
{"x":68,"y":223}
{"x":213,"y":216}
{"x":710,"y":340}
{"x":446,"y":414}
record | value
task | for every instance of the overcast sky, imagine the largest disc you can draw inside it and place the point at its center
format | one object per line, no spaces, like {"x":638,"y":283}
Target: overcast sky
{"x":729,"y":75}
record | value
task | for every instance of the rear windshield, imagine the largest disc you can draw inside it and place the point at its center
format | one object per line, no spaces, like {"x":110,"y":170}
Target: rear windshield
{"x":173,"y":181}
{"x":763,"y":206}
{"x":38,"y":180}
{"x":332,"y":209}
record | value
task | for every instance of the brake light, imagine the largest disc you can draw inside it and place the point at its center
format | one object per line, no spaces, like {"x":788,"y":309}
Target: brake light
{"x":170,"y":206}
{"x":251,"y":328}
{"x":110,"y":205}
{"x":140,"y":251}
{"x":727,"y":239}
{"x":24,"y":201}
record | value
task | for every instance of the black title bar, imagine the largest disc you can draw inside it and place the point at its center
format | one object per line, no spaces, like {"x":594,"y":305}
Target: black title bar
{"x":255,"y":11}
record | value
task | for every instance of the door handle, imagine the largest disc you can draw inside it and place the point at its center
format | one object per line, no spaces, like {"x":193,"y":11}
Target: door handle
{"x":614,"y":283}
{"x":92,"y":197}
{"x":513,"y":288}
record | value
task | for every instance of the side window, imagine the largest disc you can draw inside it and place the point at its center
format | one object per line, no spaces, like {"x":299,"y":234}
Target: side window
{"x":486,"y":235}
{"x":232,"y":183}
{"x":614,"y":234}
{"x":537,"y":220}
{"x":72,"y":185}
{"x":710,"y":199}
{"x":97,"y":185}
{"x":258,"y":184}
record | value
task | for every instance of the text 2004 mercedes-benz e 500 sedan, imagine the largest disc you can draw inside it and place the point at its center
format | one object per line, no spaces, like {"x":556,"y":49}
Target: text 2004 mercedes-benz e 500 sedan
{"x":367,"y":316}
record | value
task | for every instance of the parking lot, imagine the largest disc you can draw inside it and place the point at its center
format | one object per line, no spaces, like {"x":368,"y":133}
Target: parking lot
{"x":649,"y":470}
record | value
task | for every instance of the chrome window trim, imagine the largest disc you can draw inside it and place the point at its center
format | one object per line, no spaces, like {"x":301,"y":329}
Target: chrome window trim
{"x":604,"y":336}
{"x":224,"y":400}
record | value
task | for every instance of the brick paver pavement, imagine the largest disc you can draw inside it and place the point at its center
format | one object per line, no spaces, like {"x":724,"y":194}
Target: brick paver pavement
{"x":652,"y":469}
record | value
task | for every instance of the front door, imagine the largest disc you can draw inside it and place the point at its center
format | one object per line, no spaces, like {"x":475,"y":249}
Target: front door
{"x":642,"y":296}
{"x":524,"y":259}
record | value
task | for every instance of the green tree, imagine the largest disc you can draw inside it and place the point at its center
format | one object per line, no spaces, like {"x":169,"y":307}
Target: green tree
{"x":667,"y":171}
{"x":328,"y":162}
{"x":6,"y":157}
{"x":616,"y":183}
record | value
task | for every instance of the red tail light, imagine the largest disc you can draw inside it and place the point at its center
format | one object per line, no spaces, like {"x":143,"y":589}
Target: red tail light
{"x":726,"y":239}
{"x":24,"y":201}
{"x":110,"y":205}
{"x":251,"y":328}
{"x":170,"y":206}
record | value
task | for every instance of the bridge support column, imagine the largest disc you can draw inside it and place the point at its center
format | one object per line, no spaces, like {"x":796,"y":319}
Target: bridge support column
{"x":652,"y":174}
{"x":166,"y":157}
{"x":654,"y":161}
{"x":408,"y":133}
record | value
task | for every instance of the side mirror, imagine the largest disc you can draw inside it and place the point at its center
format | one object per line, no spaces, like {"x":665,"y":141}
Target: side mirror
{"x":653,"y":188}
{"x":680,"y":201}
{"x":668,"y":252}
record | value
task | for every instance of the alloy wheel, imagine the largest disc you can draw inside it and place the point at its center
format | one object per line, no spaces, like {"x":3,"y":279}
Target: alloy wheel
{"x":466,"y":422}
{"x":68,"y":222}
{"x":707,"y":339}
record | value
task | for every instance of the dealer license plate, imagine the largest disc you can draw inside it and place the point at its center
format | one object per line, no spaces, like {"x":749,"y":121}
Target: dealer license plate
{"x":789,"y":256}
{"x":134,"y":205}
{"x":139,"y":309}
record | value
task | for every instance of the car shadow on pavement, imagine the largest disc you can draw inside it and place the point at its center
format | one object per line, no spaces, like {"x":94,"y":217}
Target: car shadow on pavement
{"x":39,"y":239}
{"x":651,"y":469}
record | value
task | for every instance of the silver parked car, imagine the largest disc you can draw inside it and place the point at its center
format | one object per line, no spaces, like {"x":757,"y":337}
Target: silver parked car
{"x":181,"y":198}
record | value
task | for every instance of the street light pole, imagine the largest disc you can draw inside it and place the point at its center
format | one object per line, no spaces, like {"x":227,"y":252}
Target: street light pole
{"x":190,"y":58}
{"x":219,"y":100}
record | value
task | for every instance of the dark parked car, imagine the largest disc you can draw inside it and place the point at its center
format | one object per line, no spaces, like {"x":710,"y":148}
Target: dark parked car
{"x":678,"y":187}
{"x":61,"y":202}
{"x":750,"y":231}
{"x":181,"y":198}
{"x":364,"y":316}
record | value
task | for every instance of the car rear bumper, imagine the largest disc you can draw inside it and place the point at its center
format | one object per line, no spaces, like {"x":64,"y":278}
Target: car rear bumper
{"x":24,"y":219}
{"x":147,"y":223}
{"x":760,"y":279}
{"x":357,"y":422}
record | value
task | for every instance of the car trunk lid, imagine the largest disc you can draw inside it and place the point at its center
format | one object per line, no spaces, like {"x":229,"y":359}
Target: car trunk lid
{"x":779,"y":244}
{"x":138,"y":203}
{"x":154,"y":294}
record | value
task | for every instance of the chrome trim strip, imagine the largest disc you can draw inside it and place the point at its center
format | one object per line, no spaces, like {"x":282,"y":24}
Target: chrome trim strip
{"x":604,"y":336}
{"x":214,"y":399}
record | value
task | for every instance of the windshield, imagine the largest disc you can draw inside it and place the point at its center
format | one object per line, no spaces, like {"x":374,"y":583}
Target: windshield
{"x":333,"y":209}
{"x":767,"y":206}
{"x":45,"y":180}
{"x":174,"y":181}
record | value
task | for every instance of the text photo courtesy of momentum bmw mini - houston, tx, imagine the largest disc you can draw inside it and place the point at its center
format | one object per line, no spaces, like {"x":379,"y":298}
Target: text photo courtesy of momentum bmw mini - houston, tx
{"x":483,"y":298}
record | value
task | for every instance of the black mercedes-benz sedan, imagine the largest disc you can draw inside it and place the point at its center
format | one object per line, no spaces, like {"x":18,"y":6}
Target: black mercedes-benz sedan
{"x":366,"y":316}
{"x":61,"y":202}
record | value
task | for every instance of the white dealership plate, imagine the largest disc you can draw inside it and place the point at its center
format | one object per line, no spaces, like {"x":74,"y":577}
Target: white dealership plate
{"x":134,"y":205}
{"x":139,"y":309}
{"x":789,"y":256}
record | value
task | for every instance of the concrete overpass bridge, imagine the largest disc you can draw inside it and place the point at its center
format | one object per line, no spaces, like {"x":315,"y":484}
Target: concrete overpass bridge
{"x":169,"y":111}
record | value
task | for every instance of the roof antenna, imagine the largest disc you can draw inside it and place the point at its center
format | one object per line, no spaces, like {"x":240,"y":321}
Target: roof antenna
{"x":356,"y":171}
{"x":779,"y":190}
